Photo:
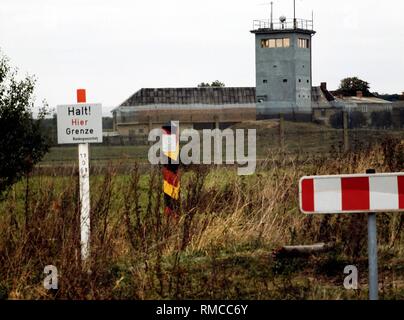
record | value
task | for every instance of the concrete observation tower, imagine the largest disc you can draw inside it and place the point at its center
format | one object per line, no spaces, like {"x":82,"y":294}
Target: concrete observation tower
{"x":283,"y":66}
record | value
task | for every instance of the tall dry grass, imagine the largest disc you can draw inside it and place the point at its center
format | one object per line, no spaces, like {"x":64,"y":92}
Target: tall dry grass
{"x":219,"y":246}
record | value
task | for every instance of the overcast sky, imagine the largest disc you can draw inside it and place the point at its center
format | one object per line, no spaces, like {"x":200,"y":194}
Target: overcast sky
{"x":113,"y":48}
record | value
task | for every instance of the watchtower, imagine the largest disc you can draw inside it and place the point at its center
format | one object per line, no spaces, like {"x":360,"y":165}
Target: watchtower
{"x":283,"y":66}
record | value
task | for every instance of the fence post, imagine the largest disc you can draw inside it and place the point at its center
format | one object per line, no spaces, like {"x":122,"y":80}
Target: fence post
{"x":150,"y":123}
{"x":216,"y":138}
{"x":346,"y":133}
{"x":281,"y":132}
{"x":217,"y":123}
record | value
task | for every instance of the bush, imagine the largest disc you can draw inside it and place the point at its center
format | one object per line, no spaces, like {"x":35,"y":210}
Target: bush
{"x":381,"y":119}
{"x":402,"y":118}
{"x":22,"y":143}
{"x":356,"y":119}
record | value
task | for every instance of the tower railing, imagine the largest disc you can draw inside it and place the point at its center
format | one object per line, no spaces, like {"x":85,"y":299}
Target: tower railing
{"x":288,"y":24}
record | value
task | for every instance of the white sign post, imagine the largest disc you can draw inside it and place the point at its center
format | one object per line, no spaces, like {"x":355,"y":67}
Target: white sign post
{"x":361,"y":193}
{"x":81,"y":124}
{"x":84,"y":173}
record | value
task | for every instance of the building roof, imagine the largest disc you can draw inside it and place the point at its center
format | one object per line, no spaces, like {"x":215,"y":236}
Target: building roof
{"x":322,"y":98}
{"x":178,"y":96}
{"x":319,"y":98}
{"x":363,"y":100}
{"x":398,"y":104}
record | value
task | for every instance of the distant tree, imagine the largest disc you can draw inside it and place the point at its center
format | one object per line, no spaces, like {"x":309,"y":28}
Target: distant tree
{"x":388,"y":97}
{"x":107,"y":123}
{"x":22,"y":142}
{"x":356,"y":119}
{"x":215,"y":83}
{"x":49,"y":128}
{"x":381,"y":119}
{"x":203,"y":85}
{"x":349,"y":87}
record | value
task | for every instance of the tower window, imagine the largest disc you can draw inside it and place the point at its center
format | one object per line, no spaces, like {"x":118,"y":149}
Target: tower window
{"x":300,"y":80}
{"x":275,"y":43}
{"x":268,"y":43}
{"x":308,"y":81}
{"x":303,"y":43}
{"x":265,"y":81}
{"x":285,"y":80}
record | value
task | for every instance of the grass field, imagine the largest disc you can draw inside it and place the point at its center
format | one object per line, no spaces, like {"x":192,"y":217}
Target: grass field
{"x":99,"y":154}
{"x":225,"y":242}
{"x":299,"y":138}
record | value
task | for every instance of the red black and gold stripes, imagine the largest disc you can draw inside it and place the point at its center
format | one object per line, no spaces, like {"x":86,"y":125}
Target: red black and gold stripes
{"x":171,"y":184}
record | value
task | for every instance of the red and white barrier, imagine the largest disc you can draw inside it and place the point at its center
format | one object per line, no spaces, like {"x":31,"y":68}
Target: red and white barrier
{"x":352,"y":193}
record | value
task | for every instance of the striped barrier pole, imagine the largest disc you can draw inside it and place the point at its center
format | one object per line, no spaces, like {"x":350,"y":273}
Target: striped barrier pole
{"x":362,"y":193}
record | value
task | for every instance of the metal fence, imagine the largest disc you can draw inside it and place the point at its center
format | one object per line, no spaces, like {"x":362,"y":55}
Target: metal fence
{"x":288,"y":24}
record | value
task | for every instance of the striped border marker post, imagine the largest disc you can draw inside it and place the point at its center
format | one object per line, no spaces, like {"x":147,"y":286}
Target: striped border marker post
{"x":171,"y":178}
{"x":362,"y":193}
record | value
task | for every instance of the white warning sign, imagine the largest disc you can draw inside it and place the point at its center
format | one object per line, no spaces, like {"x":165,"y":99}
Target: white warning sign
{"x":79,"y":123}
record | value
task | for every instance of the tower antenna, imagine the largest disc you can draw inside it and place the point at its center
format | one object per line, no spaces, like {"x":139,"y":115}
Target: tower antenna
{"x":272,"y":15}
{"x":312,"y":19}
{"x":294,"y":14}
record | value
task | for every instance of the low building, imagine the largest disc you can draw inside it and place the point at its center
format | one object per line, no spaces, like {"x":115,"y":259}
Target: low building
{"x":221,"y":107}
{"x":197,"y":108}
{"x":367,"y":105}
{"x":325,"y":103}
